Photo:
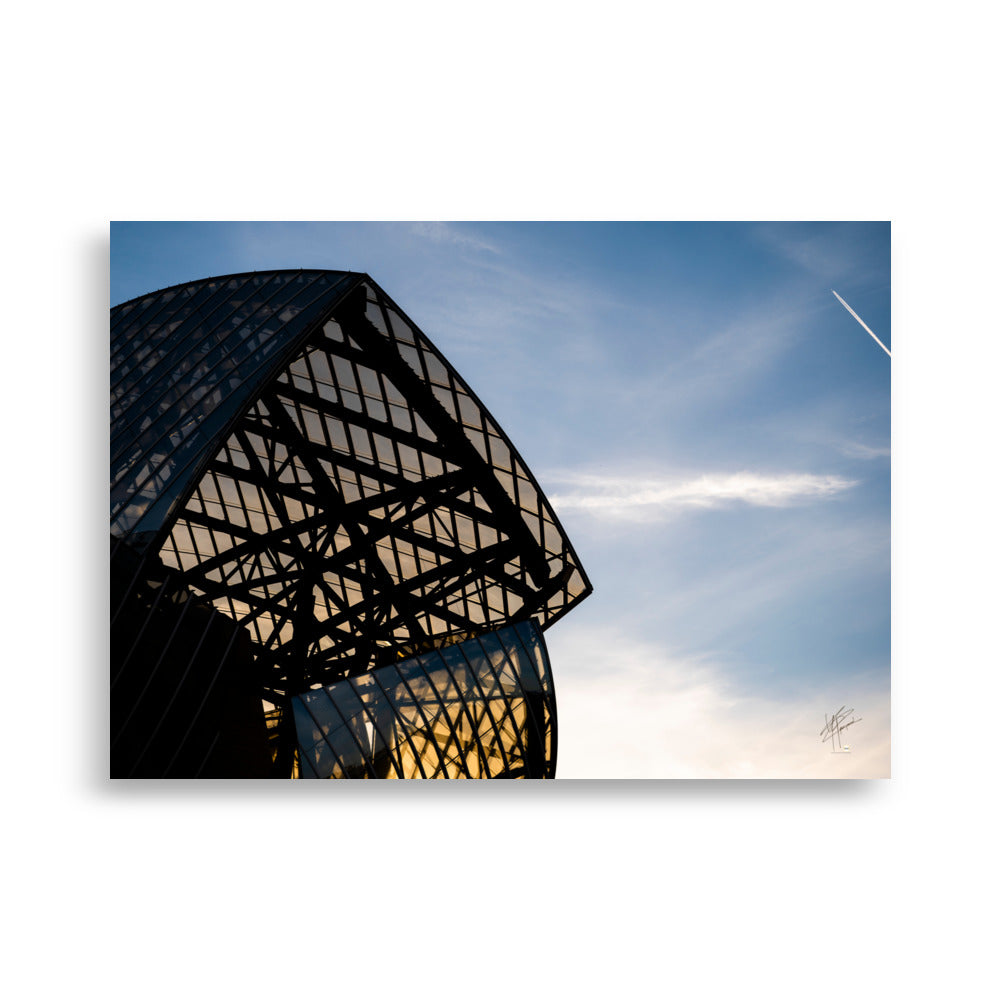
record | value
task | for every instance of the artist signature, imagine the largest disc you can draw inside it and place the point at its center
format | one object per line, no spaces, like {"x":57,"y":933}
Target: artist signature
{"x":835,"y":725}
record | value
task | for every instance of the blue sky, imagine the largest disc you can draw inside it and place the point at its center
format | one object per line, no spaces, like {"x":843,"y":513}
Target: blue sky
{"x":712,"y":428}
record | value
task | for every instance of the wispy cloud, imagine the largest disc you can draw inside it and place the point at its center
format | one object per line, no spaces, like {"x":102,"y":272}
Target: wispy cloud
{"x":835,"y":252}
{"x":855,"y":449}
{"x":644,"y":498}
{"x":442,"y":232}
{"x":660,"y":716}
{"x":707,"y":363}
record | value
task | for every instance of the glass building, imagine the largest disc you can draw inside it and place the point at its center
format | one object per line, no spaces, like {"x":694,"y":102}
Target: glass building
{"x":327,"y":559}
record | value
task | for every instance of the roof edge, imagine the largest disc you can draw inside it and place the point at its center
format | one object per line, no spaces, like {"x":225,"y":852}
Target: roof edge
{"x":238,"y":274}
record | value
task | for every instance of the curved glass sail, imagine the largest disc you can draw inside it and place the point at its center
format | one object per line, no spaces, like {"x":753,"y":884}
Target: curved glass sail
{"x":292,"y":453}
{"x":483,"y":708}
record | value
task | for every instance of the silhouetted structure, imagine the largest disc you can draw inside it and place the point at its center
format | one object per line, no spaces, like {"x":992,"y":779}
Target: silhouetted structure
{"x":327,"y":558}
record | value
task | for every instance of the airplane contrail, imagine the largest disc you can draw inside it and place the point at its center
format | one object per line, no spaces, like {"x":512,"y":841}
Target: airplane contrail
{"x":862,"y":322}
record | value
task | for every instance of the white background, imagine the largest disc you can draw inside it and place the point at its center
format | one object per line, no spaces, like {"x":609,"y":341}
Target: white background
{"x":521,"y":111}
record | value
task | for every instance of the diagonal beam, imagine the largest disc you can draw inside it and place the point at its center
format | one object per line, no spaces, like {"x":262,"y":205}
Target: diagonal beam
{"x":383,"y":355}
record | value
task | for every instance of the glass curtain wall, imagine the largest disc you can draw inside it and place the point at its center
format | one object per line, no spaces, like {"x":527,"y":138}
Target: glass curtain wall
{"x":484,"y":708}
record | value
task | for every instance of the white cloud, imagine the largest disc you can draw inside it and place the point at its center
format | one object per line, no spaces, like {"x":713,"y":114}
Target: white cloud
{"x":628,"y":709}
{"x":645,"y":498}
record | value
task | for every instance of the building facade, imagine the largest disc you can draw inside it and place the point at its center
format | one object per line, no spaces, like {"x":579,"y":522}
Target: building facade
{"x":328,"y":560}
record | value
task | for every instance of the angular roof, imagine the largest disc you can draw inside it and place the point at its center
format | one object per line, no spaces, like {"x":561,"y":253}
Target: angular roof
{"x":297,"y":450}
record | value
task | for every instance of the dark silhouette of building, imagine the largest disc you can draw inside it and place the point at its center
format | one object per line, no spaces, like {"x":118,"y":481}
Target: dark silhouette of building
{"x":327,"y":557}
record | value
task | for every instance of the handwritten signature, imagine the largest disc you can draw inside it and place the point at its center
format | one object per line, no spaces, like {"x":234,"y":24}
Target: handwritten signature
{"x":835,"y":726}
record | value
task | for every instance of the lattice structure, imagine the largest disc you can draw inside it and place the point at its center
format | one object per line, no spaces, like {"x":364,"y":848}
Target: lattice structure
{"x":483,"y":708}
{"x":289,"y":450}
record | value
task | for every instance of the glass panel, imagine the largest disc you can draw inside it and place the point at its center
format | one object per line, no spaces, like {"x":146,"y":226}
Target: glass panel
{"x":472,"y":709}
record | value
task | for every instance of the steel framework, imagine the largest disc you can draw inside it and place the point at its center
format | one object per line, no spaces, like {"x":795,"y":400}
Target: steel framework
{"x":483,"y":708}
{"x":303,"y":491}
